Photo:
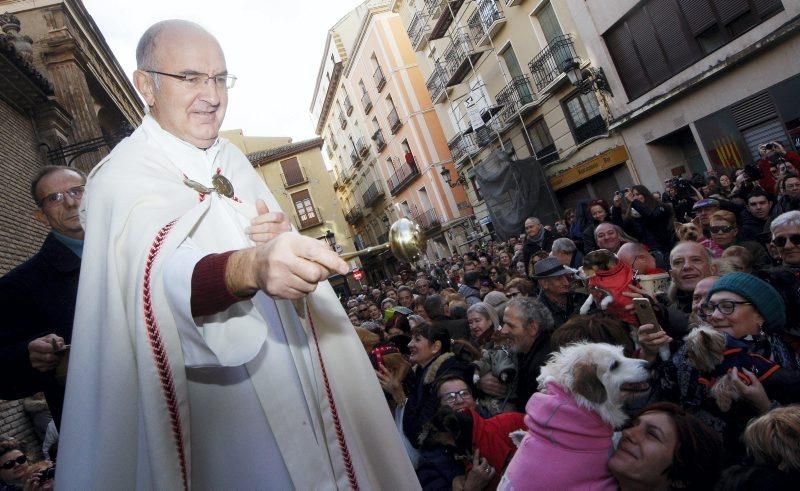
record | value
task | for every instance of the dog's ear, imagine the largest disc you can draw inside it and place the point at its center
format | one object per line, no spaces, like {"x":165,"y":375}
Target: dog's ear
{"x":678,"y":227}
{"x":587,"y":383}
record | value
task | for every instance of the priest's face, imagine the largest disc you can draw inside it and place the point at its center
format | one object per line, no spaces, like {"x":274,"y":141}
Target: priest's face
{"x":192,"y":112}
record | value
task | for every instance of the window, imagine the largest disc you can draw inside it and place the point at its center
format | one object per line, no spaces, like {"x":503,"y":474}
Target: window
{"x":540,"y":143}
{"x":305,"y":210}
{"x":584,"y":116}
{"x":660,"y":38}
{"x":292,"y":172}
{"x":476,"y":187}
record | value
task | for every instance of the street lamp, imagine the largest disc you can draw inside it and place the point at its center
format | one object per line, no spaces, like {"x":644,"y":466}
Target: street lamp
{"x":586,"y":80}
{"x":330,"y":238}
{"x":445,"y":172}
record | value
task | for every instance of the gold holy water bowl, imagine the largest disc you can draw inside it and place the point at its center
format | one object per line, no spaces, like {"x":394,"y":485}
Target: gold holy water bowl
{"x":406,"y":241}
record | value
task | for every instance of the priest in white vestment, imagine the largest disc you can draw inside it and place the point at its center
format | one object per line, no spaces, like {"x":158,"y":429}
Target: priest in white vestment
{"x":191,"y":366}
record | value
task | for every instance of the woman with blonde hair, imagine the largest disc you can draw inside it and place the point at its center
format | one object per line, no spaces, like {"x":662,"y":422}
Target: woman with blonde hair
{"x":724,"y":233}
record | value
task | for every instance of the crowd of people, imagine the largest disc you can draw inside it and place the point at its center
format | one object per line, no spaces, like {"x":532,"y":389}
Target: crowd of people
{"x":470,"y":334}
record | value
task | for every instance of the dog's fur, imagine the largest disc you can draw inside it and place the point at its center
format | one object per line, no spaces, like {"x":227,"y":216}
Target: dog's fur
{"x":705,"y":351}
{"x":605,"y":260}
{"x":596,"y":375}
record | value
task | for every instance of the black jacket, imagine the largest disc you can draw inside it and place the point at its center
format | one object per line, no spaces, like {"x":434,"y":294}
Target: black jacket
{"x":530,"y":247}
{"x":37,"y":298}
{"x":530,"y":366}
{"x":458,"y":328}
{"x":752,"y":227}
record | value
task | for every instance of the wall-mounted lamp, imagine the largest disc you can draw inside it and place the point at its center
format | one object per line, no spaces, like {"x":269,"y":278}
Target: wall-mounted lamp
{"x":330,"y":238}
{"x":445,"y":172}
{"x":587,"y":79}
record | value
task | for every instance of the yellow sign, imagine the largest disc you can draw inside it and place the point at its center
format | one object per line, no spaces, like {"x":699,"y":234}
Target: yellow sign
{"x":606,"y":160}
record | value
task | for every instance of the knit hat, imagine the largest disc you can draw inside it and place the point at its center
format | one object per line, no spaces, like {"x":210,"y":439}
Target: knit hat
{"x":705,"y":203}
{"x":497,"y":300}
{"x":764,"y":297}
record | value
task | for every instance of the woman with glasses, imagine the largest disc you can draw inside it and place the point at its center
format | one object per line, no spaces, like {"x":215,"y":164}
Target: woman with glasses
{"x":752,"y":316}
{"x":17,"y":472}
{"x":724,"y":233}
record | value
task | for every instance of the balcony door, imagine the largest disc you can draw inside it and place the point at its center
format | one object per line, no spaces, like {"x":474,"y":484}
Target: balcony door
{"x":517,"y":77}
{"x":553,"y":34}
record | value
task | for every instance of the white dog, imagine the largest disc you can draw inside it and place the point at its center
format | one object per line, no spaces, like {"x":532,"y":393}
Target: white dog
{"x":572,"y":418}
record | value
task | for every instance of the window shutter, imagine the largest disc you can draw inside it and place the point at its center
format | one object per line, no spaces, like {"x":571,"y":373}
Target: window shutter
{"x":292,"y":172}
{"x":304,"y":208}
{"x":633,"y":76}
{"x":766,"y":7}
{"x":644,"y":35}
{"x":730,"y":10}
{"x":681,"y":51}
{"x":699,"y":15}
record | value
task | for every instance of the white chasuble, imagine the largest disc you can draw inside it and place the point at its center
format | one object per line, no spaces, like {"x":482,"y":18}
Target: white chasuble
{"x":256,"y":396}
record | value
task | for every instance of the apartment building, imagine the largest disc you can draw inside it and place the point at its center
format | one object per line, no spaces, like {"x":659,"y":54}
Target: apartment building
{"x":513,"y":75}
{"x":384,"y":141}
{"x":698,"y":84}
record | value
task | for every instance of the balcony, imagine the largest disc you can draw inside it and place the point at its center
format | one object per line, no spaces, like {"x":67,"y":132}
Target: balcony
{"x":338,"y":183}
{"x":428,"y":220}
{"x":347,"y":174}
{"x":361,"y":147}
{"x":437,"y":84}
{"x":348,"y":106}
{"x":516,"y":98}
{"x":366,"y":103}
{"x":487,"y":133}
{"x":342,"y":121}
{"x":355,"y":158}
{"x":394,"y":121}
{"x":329,"y":150}
{"x":442,"y":16}
{"x":550,"y":62}
{"x":594,"y":127}
{"x":354,"y":215}
{"x":459,"y":57}
{"x":401,"y":179}
{"x":372,"y":195}
{"x":546,"y":154}
{"x":379,"y":79}
{"x":377,"y":137}
{"x":463,"y":146}
{"x":418,"y":30}
{"x":294,"y":178}
{"x":486,"y":21}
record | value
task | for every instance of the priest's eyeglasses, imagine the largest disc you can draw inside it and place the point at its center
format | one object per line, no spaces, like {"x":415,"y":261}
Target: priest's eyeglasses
{"x":195,"y":80}
{"x":725,"y":307}
{"x":462,"y":394}
{"x":59,"y":197}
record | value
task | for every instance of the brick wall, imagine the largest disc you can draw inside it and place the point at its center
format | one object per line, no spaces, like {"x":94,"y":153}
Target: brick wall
{"x":20,"y":235}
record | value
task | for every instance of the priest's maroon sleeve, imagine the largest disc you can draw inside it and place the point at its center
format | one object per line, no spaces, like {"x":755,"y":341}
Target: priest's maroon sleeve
{"x":210,"y":293}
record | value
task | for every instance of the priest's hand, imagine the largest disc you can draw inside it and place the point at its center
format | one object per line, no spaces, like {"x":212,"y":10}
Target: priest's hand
{"x":267,"y":225}
{"x":42,"y":352}
{"x":288,"y":266}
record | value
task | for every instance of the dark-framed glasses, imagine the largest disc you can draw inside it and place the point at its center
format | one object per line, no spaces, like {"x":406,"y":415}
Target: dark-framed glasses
{"x":725,"y":307}
{"x":56,"y":198}
{"x":10,"y":464}
{"x":195,"y":80}
{"x":460,"y":394}
{"x":721,"y":229}
{"x":781,"y":240}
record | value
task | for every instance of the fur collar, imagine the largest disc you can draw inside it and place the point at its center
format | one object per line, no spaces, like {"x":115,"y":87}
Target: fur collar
{"x":433,"y":368}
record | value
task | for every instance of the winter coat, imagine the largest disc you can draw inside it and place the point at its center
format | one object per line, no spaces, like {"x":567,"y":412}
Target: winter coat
{"x":471,"y":295}
{"x":752,"y":227}
{"x":566,"y":447}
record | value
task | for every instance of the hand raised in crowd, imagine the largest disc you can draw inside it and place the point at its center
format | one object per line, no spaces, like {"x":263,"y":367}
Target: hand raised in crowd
{"x":492,"y":386}
{"x":636,"y":292}
{"x":42,"y":352}
{"x":288,"y":266}
{"x":617,"y":200}
{"x":754,"y":393}
{"x":651,"y":339}
{"x":480,"y":474}
{"x":267,"y":225}
{"x":391,"y":384}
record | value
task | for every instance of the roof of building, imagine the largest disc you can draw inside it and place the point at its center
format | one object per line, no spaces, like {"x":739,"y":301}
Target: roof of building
{"x":7,"y":48}
{"x":273,"y":154}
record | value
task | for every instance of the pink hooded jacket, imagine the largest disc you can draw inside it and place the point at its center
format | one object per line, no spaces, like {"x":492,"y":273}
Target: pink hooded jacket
{"x":566,"y":448}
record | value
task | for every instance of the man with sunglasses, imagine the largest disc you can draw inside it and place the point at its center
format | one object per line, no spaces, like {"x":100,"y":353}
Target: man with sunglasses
{"x":209,"y":351}
{"x":38,"y":297}
{"x":785,"y":230}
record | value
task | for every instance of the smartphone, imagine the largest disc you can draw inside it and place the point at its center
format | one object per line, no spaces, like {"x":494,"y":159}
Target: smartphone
{"x":646,"y":315}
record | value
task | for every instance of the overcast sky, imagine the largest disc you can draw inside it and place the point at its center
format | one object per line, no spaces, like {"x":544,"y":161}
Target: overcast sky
{"x":273,"y":47}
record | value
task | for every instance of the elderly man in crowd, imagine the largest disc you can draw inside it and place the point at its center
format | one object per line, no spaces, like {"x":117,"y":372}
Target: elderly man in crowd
{"x":785,"y":231}
{"x":690,"y":262}
{"x":537,"y":238}
{"x":555,"y":282}
{"x":208,"y":350}
{"x":608,"y":236}
{"x":38,"y":296}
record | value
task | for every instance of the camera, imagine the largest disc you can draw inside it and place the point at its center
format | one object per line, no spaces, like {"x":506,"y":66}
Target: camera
{"x":48,"y":474}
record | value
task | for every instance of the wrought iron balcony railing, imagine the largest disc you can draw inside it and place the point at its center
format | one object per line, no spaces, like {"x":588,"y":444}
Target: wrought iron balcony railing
{"x":437,"y":84}
{"x":515,"y":97}
{"x":380,"y":142}
{"x":342,"y":121}
{"x":354,"y":215}
{"x":394,"y":121}
{"x":594,"y":127}
{"x":372,"y":195}
{"x":484,"y":23}
{"x":404,"y":176}
{"x":463,"y":146}
{"x":419,"y":30}
{"x":355,"y":158}
{"x":550,"y":62}
{"x":361,"y":147}
{"x":366,"y":102}
{"x":459,"y":56}
{"x":378,"y":78}
{"x":348,"y":106}
{"x":294,"y":178}
{"x":428,"y":220}
{"x":442,"y":16}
